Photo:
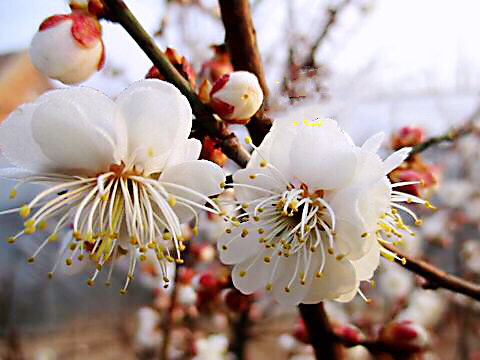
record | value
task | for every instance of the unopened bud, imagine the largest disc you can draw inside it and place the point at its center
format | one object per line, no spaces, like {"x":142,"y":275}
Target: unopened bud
{"x":68,"y":48}
{"x":407,"y":136}
{"x":407,"y":335}
{"x":236,"y":96}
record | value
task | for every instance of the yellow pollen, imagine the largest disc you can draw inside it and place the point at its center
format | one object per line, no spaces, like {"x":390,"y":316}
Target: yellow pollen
{"x":266,"y":259}
{"x":166,"y":236}
{"x":268,"y":287}
{"x":330,"y":250}
{"x":172,"y":201}
{"x":340,"y":257}
{"x":12,"y":194}
{"x":30,"y":260}
{"x":24,"y":211}
{"x":372,"y":283}
{"x":80,"y":257}
{"x":170,"y":259}
{"x":318,"y":274}
{"x":228,"y":231}
{"x":252,"y":176}
{"x":73,"y":246}
{"x":244,"y":233}
{"x":404,"y":261}
{"x":89,"y":282}
{"x":42,"y":225}
{"x":53,"y":237}
{"x":248,"y":140}
{"x":418,"y":222}
{"x":365,"y":234}
{"x":261,"y":231}
{"x":10,"y":240}
{"x":68,"y":261}
{"x":222,"y":185}
{"x":263,"y":163}
{"x":179,"y":261}
{"x":244,"y":206}
{"x":123,"y":292}
{"x":150,"y":151}
{"x":142,"y":257}
{"x":224,"y":247}
{"x":76,"y":235}
{"x":242,"y":273}
{"x":287,"y":289}
{"x":260,"y":210}
{"x":49,"y":274}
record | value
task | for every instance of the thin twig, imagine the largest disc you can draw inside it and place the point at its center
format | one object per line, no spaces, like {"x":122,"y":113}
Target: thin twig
{"x":320,"y":331}
{"x":436,"y":278}
{"x":117,"y":11}
{"x":332,"y":16}
{"x":242,"y":45}
{"x":454,"y":134}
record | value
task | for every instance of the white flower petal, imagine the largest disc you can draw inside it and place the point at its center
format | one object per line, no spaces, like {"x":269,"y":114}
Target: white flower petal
{"x":339,"y":278}
{"x":64,"y":131}
{"x":323,"y":159}
{"x":17,"y":142}
{"x":233,"y":248}
{"x":366,"y":265}
{"x":197,"y":177}
{"x":373,"y":143}
{"x":253,"y":273}
{"x":396,"y":159}
{"x":256,"y":179}
{"x":157,"y":118}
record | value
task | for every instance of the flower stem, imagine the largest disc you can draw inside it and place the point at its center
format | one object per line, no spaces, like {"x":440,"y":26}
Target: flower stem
{"x":320,"y":331}
{"x":117,"y":11}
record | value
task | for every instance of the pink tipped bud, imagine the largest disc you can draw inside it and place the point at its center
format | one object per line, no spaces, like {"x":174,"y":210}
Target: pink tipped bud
{"x":68,"y":48}
{"x":407,"y":136}
{"x":407,"y":335}
{"x":236,"y":96}
{"x":349,"y":332}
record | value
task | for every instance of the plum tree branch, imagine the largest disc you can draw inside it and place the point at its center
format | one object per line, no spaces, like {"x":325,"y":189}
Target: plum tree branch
{"x":117,"y":11}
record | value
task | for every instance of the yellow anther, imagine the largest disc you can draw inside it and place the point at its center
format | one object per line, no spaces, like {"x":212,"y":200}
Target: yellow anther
{"x":123,"y":292}
{"x":318,"y":274}
{"x":340,"y":257}
{"x":418,"y":222}
{"x":151,"y":245}
{"x":222,"y":213}
{"x":53,"y":237}
{"x":68,"y":261}
{"x":312,"y":248}
{"x":252,"y":176}
{"x":224,"y":247}
{"x":108,"y":283}
{"x":89,"y":238}
{"x":89,"y":282}
{"x":131,"y":277}
{"x":266,"y":259}
{"x":99,"y":267}
{"x":228,"y":231}
{"x":166,"y":236}
{"x":12,"y":194}
{"x":80,"y":257}
{"x":142,"y":249}
{"x":49,"y":274}
{"x":261,"y":231}
{"x":260,"y":210}
{"x":244,"y":233}
{"x":256,"y":218}
{"x":172,"y":200}
{"x":263,"y":163}
{"x":30,"y":260}
{"x":287,"y":289}
{"x":170,"y":259}
{"x":150,"y":151}
{"x":195,"y":231}
{"x":24,"y":211}
{"x":248,"y":140}
{"x":388,"y":256}
{"x":179,"y":261}
{"x":104,"y":197}
{"x":364,"y":235}
{"x":409,"y":200}
{"x":244,"y":206}
{"x":166,"y":279}
{"x":372,"y":283}
{"x":404,"y":261}
{"x":10,"y":240}
{"x":268,"y":287}
{"x":42,"y":225}
{"x":77,"y":236}
{"x":222,"y":185}
{"x":242,"y":273}
{"x":330,"y":250}
{"x":142,"y":257}
{"x":73,"y":246}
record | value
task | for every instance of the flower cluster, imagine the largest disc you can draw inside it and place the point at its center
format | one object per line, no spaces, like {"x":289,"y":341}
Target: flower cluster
{"x":315,"y":210}
{"x":122,"y":174}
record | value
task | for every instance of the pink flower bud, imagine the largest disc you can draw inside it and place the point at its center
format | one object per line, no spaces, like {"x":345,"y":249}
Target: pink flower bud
{"x":407,"y":335}
{"x":68,"y":48}
{"x":407,"y":136}
{"x":236,"y":96}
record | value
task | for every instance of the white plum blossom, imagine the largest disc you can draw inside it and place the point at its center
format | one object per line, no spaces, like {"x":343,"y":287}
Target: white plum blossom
{"x":316,"y":209}
{"x":68,"y":48}
{"x":122,"y":175}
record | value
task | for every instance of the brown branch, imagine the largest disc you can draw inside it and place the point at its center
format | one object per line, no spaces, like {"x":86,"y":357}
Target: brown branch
{"x":320,"y":331}
{"x":117,"y":11}
{"x":436,"y":278}
{"x":454,"y":134}
{"x":242,"y":45}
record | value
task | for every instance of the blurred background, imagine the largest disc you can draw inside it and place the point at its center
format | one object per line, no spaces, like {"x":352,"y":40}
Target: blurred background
{"x":375,"y":65}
